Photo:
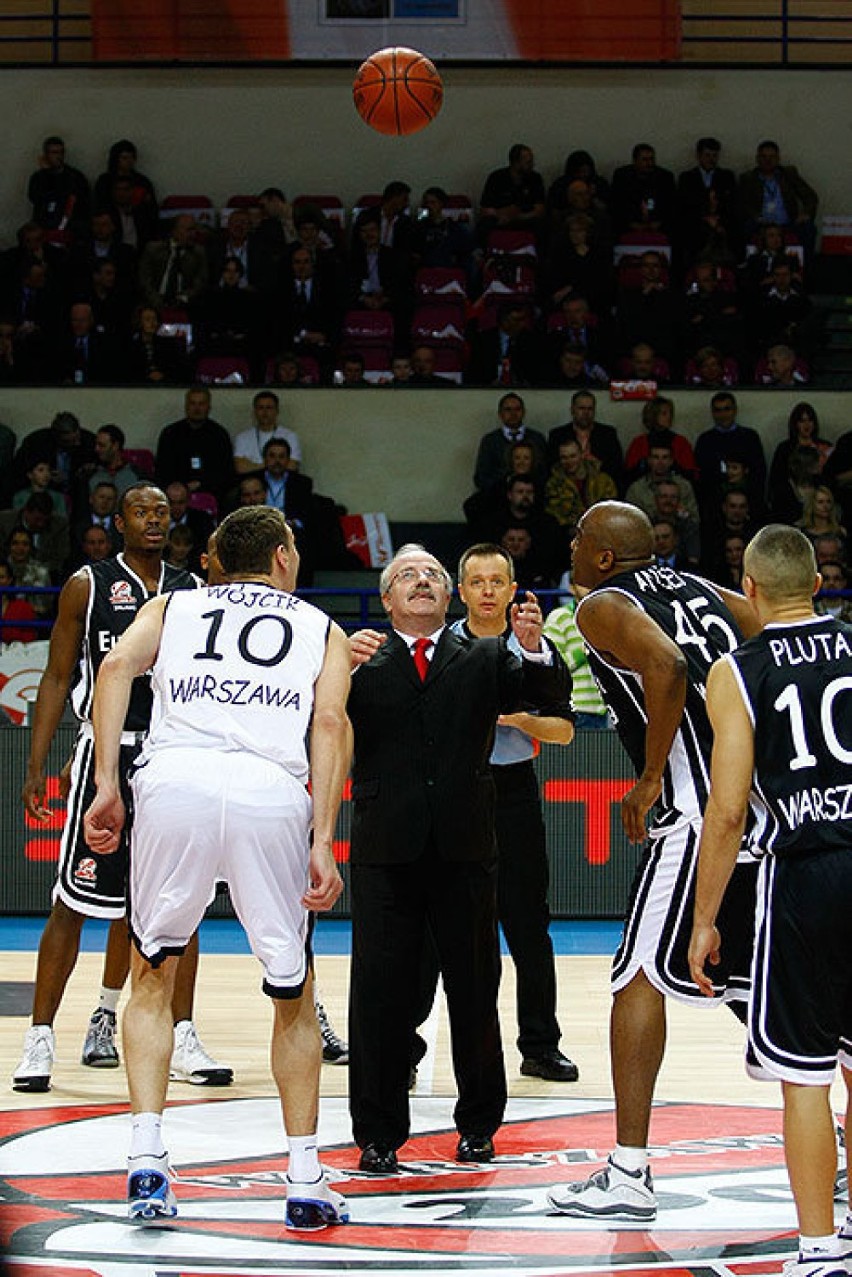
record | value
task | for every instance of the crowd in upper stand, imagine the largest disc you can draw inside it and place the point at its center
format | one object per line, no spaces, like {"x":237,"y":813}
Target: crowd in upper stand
{"x":646,"y":279}
{"x":697,"y":280}
{"x":62,"y":484}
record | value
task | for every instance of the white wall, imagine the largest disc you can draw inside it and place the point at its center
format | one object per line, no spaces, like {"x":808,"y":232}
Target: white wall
{"x":409,"y":453}
{"x":221,"y":132}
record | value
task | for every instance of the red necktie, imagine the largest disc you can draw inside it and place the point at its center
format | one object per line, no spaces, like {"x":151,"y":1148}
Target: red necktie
{"x":421,"y":646}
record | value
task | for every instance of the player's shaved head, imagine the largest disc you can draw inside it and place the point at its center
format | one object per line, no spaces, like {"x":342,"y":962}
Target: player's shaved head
{"x":780,"y":561}
{"x":611,"y":537}
{"x":624,"y":529}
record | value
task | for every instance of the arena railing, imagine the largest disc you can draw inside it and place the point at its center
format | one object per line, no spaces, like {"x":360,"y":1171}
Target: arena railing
{"x":353,"y":608}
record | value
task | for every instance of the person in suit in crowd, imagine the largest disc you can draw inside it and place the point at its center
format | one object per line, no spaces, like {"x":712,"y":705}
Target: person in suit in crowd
{"x":707,"y":195}
{"x":199,"y":522}
{"x":423,"y":847}
{"x":48,"y":531}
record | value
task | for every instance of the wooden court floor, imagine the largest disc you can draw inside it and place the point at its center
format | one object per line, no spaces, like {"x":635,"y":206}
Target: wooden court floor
{"x":725,"y":1208}
{"x":703,"y":1059}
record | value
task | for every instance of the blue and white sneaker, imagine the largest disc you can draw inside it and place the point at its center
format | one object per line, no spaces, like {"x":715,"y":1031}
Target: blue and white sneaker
{"x":816,"y":1266}
{"x":311,"y":1207}
{"x":613,"y":1193}
{"x":149,"y":1191}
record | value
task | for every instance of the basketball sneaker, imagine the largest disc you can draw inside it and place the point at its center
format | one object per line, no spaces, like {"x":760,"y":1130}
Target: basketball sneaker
{"x":99,"y":1050}
{"x":817,"y":1266}
{"x":149,"y":1191}
{"x":841,"y":1182}
{"x":314,"y":1206}
{"x":191,"y":1063}
{"x":613,"y":1193}
{"x":334,"y":1049}
{"x":33,"y":1072}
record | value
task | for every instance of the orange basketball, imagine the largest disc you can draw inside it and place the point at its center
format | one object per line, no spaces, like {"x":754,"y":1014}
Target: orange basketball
{"x":397,"y":91}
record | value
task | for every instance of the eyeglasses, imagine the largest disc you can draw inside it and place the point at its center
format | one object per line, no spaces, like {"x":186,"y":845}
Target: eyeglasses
{"x":409,"y":575}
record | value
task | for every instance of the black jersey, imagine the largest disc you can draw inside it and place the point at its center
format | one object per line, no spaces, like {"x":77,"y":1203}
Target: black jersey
{"x":116,"y":594}
{"x":690,"y":612}
{"x":796,"y":681}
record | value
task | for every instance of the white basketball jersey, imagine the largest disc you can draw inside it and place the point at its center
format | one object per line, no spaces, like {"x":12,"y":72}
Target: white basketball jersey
{"x":236,"y":671}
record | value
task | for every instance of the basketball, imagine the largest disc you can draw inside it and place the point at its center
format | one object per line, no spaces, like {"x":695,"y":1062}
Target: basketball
{"x":397,"y":91}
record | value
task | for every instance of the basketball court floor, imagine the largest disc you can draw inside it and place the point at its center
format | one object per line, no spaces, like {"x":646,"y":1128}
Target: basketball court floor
{"x":725,"y":1205}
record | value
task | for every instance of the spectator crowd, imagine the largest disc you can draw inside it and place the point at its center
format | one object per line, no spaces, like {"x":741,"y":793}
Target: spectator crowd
{"x":698,"y":279}
{"x":645,"y":279}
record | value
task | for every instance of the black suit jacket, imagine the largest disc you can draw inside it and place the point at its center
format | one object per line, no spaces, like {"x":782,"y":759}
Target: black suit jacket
{"x":420,"y":776}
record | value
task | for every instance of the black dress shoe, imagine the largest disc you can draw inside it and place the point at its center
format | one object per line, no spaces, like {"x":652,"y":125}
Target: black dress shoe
{"x":475,"y":1148}
{"x":376,"y":1159}
{"x":553,"y":1066}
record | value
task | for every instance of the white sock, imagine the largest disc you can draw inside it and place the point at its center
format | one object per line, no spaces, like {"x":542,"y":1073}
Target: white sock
{"x":630,"y":1159}
{"x":147,"y":1136}
{"x":304,"y":1165}
{"x":816,"y":1247}
{"x":846,"y":1226}
{"x":108,"y":1001}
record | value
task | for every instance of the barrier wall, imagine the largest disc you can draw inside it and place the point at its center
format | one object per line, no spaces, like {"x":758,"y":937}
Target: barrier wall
{"x":592,"y":863}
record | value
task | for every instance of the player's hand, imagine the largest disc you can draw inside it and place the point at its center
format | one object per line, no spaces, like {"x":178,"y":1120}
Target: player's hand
{"x":636,"y":804}
{"x":104,"y":821}
{"x":526,"y":621}
{"x":34,"y":798}
{"x":324,"y":878}
{"x":704,"y":947}
{"x":364,"y":644}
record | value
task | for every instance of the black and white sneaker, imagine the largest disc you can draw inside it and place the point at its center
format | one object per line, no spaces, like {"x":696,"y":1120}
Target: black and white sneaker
{"x":334,"y":1049}
{"x":33,"y":1072}
{"x":192,"y":1063}
{"x":99,"y":1049}
{"x":613,"y":1193}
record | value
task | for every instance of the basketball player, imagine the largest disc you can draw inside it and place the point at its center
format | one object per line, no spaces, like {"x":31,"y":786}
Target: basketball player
{"x":96,"y":606}
{"x":782,"y":715}
{"x":244,"y":676}
{"x":652,"y":635}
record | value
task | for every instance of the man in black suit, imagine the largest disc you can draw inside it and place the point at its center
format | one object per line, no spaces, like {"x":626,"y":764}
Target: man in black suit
{"x":86,"y":355}
{"x":199,"y":522}
{"x":707,"y":196}
{"x":310,"y":311}
{"x":423,"y":848}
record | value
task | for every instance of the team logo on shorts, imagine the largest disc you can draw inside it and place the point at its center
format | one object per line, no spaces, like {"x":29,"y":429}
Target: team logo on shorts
{"x":86,"y":871}
{"x":121,"y":596}
{"x":724,"y":1202}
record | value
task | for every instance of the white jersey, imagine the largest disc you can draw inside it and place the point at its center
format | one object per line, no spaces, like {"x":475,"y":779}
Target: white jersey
{"x":236,"y":671}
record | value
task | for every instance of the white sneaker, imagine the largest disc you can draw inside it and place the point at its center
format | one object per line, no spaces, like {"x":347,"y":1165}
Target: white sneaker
{"x":334,"y":1049}
{"x":149,"y":1190}
{"x":191,"y":1063}
{"x":33,"y":1072}
{"x":314,"y":1206}
{"x":819,"y":1266}
{"x":613,"y":1193}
